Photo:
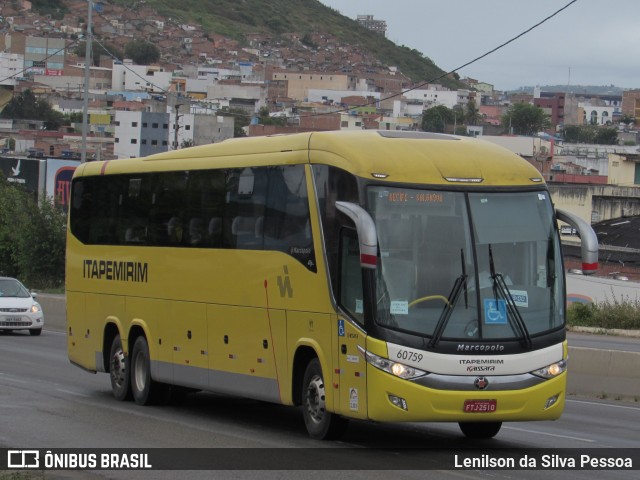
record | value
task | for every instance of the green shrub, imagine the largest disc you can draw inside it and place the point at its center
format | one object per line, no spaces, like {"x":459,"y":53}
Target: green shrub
{"x":622,"y":313}
{"x":32,"y":238}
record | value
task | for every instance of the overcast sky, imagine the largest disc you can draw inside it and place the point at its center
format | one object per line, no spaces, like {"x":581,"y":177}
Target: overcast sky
{"x":592,"y":42}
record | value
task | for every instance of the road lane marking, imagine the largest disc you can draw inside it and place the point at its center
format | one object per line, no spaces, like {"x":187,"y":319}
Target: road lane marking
{"x":70,"y":392}
{"x":625,"y":407}
{"x":588,"y":440}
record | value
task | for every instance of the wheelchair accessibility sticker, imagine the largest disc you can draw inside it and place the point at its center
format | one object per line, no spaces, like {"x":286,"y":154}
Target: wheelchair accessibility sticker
{"x":495,"y":311}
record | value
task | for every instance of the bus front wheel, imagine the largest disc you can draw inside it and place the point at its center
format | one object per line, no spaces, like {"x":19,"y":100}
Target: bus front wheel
{"x":480,"y":429}
{"x":321,"y":424}
{"x":143,"y":388}
{"x":119,"y":371}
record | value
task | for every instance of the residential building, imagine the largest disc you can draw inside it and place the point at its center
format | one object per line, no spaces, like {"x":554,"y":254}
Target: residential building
{"x":138,"y":134}
{"x":212,"y":129}
{"x":552,"y":104}
{"x":299,"y":83}
{"x":368,"y":22}
{"x":438,"y":96}
{"x":624,"y":169}
{"x":11,"y":67}
{"x":44,"y":56}
{"x":146,"y":78}
{"x":631,"y":104}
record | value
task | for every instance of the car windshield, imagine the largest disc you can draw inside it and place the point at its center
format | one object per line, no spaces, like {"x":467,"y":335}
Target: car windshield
{"x":12,"y":288}
{"x":467,"y":265}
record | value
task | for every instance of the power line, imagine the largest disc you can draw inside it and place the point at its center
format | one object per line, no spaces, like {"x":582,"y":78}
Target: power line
{"x":415,"y":87}
{"x":513,"y":39}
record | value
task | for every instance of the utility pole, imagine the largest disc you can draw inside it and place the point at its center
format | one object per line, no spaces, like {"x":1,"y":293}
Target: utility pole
{"x":87,"y":66}
{"x":176,"y":126}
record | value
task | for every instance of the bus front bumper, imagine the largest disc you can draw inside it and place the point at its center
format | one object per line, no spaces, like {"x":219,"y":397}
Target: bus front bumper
{"x":392,"y":399}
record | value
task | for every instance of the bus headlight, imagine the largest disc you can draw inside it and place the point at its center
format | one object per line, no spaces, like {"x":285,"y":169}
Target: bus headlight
{"x":394,"y":368}
{"x":551,"y":371}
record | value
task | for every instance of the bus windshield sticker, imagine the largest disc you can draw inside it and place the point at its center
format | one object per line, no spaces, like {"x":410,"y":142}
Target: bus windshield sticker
{"x":399,"y":307}
{"x":495,"y":311}
{"x":359,"y":306}
{"x":520,"y":297}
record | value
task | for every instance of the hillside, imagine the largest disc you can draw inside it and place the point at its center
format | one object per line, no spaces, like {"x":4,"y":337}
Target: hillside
{"x":234,"y":18}
{"x":237,"y":18}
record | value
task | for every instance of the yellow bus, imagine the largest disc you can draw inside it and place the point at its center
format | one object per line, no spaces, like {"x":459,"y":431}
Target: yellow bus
{"x":389,"y":276}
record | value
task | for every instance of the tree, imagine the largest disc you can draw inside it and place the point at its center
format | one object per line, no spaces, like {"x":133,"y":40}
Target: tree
{"x":97,"y":50}
{"x":435,"y":119}
{"x":266,"y":119}
{"x":473,"y":115}
{"x":590,"y":134}
{"x":607,"y":136}
{"x":32,"y":238}
{"x":142,"y":52}
{"x":240,"y":119}
{"x":28,"y":106}
{"x":525,"y":119}
{"x":627,"y":119}
{"x":579,"y":134}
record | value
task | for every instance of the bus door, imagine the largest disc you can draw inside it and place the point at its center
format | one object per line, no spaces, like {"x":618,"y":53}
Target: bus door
{"x":351,"y":334}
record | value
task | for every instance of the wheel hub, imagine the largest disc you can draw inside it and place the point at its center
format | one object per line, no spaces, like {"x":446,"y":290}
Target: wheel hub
{"x":315,"y":399}
{"x":117,"y":369}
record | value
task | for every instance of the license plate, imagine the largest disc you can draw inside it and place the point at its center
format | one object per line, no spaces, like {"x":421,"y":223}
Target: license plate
{"x":480,"y":406}
{"x":13,"y":319}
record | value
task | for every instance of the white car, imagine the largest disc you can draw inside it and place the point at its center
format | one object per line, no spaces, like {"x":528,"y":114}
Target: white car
{"x":18,"y":308}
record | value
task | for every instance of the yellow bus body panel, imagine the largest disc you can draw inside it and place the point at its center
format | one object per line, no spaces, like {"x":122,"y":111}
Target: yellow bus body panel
{"x":233,"y":320}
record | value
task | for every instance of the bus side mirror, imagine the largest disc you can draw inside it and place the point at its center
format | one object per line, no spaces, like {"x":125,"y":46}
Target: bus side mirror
{"x":588,"y":240}
{"x":367,"y":235}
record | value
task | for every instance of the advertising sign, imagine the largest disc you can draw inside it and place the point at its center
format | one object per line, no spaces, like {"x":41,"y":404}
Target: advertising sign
{"x":58,"y":183}
{"x":21,"y":171}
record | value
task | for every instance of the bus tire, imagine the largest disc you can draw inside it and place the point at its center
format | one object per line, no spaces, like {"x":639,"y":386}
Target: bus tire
{"x":143,"y":388}
{"x":321,"y":424}
{"x":119,"y":371}
{"x":480,"y":429}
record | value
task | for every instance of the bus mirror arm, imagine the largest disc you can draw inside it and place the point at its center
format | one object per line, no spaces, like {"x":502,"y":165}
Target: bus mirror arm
{"x":588,"y":240}
{"x":367,"y":235}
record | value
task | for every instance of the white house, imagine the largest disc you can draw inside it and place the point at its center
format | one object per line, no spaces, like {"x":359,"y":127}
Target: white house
{"x":146,"y":78}
{"x":11,"y":66}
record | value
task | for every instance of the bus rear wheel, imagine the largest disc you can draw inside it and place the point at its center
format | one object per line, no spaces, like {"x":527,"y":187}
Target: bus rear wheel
{"x":321,"y":424}
{"x":119,"y":371}
{"x":143,"y":388}
{"x":480,"y":429}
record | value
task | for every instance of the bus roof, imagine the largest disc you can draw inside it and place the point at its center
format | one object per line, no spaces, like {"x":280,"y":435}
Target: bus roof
{"x":396,"y":156}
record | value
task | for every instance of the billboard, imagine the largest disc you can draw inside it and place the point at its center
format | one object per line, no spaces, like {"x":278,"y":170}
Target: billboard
{"x":58,"y":181}
{"x":21,"y":171}
{"x":51,"y":176}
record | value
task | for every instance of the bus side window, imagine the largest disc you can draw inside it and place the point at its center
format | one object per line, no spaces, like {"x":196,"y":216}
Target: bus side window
{"x":351,"y":296}
{"x":247,"y":190}
{"x":287,"y":222}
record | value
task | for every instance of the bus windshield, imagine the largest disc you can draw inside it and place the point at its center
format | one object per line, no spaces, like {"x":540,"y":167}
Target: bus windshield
{"x":459,"y":265}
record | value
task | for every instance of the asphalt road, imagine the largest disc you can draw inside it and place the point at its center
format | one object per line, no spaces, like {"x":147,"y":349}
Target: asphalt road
{"x":48,"y":403}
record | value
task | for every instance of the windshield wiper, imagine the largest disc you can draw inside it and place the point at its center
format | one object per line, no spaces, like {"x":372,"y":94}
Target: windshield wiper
{"x":452,"y":299}
{"x":513,"y":314}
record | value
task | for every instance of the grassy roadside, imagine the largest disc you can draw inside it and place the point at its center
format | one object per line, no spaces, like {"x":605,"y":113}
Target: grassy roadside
{"x":613,"y":313}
